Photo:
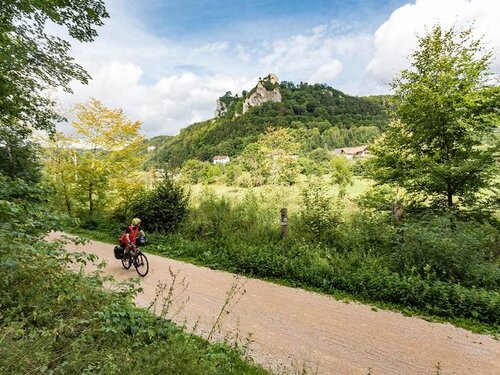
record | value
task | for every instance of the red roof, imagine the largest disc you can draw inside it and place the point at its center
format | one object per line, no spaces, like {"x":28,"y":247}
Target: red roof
{"x":351,"y":150}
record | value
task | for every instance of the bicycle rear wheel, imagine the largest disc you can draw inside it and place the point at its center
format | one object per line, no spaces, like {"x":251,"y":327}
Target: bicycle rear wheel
{"x":126,"y":261}
{"x":141,"y":264}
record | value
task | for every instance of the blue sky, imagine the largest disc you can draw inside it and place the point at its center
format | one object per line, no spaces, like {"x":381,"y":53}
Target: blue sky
{"x":166,"y":62}
{"x":210,"y":20}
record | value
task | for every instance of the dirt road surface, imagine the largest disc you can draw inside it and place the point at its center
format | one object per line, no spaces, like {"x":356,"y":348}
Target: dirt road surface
{"x":293,"y":328}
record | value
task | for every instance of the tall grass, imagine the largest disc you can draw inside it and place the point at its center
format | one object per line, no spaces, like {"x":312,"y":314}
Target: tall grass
{"x":337,"y":246}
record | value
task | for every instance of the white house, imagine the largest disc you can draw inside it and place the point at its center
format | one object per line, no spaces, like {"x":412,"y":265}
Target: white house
{"x":221,"y":159}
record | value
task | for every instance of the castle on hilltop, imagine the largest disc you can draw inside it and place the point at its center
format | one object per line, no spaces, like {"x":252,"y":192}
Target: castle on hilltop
{"x":266,"y":90}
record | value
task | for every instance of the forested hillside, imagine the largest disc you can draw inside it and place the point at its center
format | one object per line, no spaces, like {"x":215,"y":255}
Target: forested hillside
{"x":320,"y":117}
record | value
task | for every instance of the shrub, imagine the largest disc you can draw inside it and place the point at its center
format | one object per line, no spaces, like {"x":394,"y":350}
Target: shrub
{"x":221,"y":221}
{"x":244,"y":180}
{"x":319,"y":216}
{"x":164,"y":208}
{"x":465,"y":254}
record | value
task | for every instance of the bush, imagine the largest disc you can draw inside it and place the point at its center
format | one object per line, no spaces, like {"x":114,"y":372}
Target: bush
{"x":465,"y":254}
{"x":244,"y":180}
{"x":319,"y":216}
{"x":164,"y":208}
{"x":221,"y":221}
{"x":360,"y":274}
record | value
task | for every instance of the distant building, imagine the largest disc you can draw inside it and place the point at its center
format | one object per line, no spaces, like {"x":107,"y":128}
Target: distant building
{"x":221,"y":159}
{"x":352,"y":152}
{"x":151,"y":148}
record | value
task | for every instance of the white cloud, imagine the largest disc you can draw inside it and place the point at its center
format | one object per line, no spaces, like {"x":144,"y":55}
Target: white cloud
{"x":327,"y":72}
{"x":164,"y":107}
{"x":396,"y":38}
{"x":317,"y":56}
{"x":215,"y":47}
{"x":167,"y":85}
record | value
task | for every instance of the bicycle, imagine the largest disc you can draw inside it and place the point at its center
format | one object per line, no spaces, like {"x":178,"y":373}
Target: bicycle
{"x":138,"y":259}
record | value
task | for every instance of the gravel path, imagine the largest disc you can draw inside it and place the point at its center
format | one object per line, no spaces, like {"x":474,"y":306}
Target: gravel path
{"x":293,"y":328}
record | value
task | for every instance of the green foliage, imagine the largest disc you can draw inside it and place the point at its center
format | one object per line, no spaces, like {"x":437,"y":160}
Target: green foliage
{"x":272,"y":159}
{"x":24,"y":211}
{"x":100,"y":179}
{"x":54,"y":320}
{"x":465,"y":254}
{"x":194,"y":171}
{"x":18,"y":157}
{"x":216,"y":219}
{"x":320,"y":215}
{"x":278,"y":149}
{"x":164,"y":208}
{"x":359,"y":274}
{"x":335,"y":248}
{"x":232,"y":171}
{"x":341,"y":174}
{"x":313,"y":110}
{"x":33,"y":62}
{"x":444,"y":109}
{"x":380,"y":198}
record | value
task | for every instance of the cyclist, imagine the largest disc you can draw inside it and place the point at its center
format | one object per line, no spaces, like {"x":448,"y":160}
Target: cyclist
{"x":130,"y":234}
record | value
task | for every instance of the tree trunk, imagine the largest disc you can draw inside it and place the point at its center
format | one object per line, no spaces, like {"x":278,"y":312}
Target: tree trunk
{"x":450,"y":199}
{"x":449,"y":193}
{"x":284,"y":223}
{"x":66,"y":196}
{"x":11,"y":160}
{"x":91,"y":202}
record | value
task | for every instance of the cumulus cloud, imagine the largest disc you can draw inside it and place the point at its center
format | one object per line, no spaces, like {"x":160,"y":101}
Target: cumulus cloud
{"x":171,"y":103}
{"x":326,"y":72}
{"x":168,"y":85}
{"x":397,"y":37}
{"x":310,"y":56}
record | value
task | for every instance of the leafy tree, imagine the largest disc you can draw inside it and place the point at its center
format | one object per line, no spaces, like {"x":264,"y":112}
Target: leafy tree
{"x":18,"y":156}
{"x":341,"y":174}
{"x":191,"y":170}
{"x":443,"y":111}
{"x":102,"y":165}
{"x":33,"y":61}
{"x":232,"y":171}
{"x":61,"y":158}
{"x":280,"y":150}
{"x":334,"y":137}
{"x":164,"y":208}
{"x":253,"y":159}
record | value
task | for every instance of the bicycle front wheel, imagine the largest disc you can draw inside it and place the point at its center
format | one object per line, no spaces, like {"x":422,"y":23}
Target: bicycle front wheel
{"x":126,"y":261}
{"x":141,"y":264}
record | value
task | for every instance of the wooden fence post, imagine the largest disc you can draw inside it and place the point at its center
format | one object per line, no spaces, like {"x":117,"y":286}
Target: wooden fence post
{"x":284,"y":223}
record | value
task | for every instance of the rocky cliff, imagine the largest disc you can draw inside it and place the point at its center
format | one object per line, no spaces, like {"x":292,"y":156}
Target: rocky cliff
{"x":221,"y":108}
{"x":267,"y":90}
